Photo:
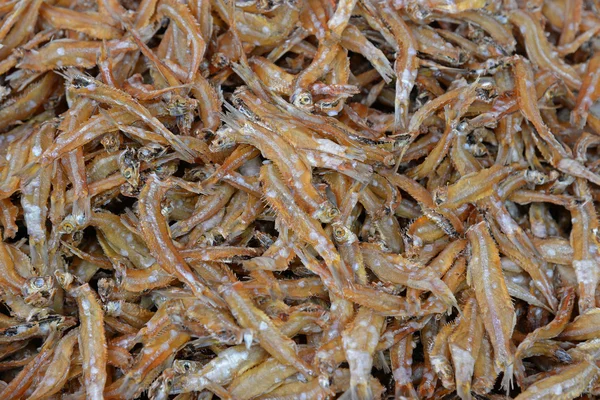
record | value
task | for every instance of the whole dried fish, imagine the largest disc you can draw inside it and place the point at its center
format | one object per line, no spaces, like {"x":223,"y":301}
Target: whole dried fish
{"x":299,"y":199}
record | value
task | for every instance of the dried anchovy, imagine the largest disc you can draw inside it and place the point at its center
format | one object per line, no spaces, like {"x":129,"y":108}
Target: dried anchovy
{"x":299,"y":199}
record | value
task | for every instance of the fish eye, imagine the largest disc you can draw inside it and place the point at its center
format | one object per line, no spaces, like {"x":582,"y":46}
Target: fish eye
{"x":339,"y":231}
{"x":302,"y":99}
{"x":333,"y":212}
{"x":68,"y":227}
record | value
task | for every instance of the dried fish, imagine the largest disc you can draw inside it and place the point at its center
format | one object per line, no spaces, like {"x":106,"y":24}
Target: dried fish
{"x":299,"y":199}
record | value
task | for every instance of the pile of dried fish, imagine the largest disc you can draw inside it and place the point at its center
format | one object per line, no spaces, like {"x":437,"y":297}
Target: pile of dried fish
{"x":299,"y":199}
